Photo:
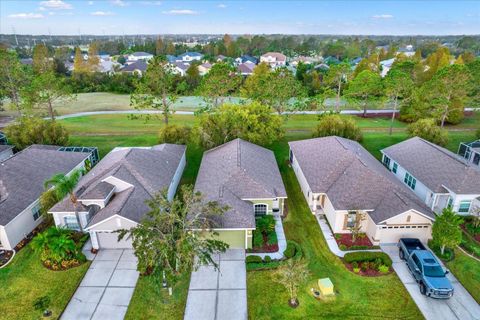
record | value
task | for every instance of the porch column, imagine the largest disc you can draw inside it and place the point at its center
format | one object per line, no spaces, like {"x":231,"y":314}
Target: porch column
{"x":94,"y":239}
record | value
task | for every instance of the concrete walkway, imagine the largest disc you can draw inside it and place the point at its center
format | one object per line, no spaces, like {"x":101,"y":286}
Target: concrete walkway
{"x":331,"y":242}
{"x":460,"y":306}
{"x":106,"y":289}
{"x":219,"y":294}
{"x":282,"y":241}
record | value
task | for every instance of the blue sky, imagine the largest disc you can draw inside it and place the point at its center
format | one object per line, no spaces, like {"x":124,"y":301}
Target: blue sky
{"x":239,"y":17}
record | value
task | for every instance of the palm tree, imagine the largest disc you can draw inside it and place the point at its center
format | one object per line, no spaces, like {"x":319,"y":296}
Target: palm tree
{"x":65,"y":185}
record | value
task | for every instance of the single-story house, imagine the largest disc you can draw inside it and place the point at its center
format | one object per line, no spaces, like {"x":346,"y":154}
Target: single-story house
{"x":112,"y":195}
{"x":244,"y":177}
{"x":22,"y":178}
{"x":138,"y":67}
{"x":180,"y":68}
{"x":135,"y":56}
{"x":204,"y":68}
{"x":274,"y":59}
{"x":344,"y":182}
{"x":470,"y":152}
{"x":246,"y":69}
{"x":245,"y":59}
{"x":6,"y":151}
{"x":439,"y":177}
{"x":190,"y":56}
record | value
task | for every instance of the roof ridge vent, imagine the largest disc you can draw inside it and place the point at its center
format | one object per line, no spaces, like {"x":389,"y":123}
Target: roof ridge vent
{"x":239,"y":157}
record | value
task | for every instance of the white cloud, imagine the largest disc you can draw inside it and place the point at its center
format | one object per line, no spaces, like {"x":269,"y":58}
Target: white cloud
{"x":179,"y":12}
{"x":151,"y":3}
{"x":26,"y":16}
{"x":90,"y":3}
{"x":222,"y":6}
{"x":382,"y":16}
{"x":56,"y":4}
{"x":119,"y":3}
{"x":102,"y":13}
{"x":41,"y":9}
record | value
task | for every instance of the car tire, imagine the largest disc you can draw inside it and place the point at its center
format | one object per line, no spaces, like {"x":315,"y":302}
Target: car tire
{"x":423,"y":289}
{"x":401,"y":254}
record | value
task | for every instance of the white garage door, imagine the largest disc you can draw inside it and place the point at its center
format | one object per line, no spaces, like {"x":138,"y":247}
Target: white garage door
{"x":391,"y":234}
{"x":109,"y":240}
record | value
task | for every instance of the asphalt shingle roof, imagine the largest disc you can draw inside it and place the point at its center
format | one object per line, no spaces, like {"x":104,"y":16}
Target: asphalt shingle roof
{"x":353,"y":179}
{"x":239,"y":170}
{"x":148,"y":170}
{"x":23,"y":175}
{"x":435,"y":166}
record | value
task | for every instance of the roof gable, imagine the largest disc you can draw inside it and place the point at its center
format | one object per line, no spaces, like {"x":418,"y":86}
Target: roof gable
{"x":435,"y":166}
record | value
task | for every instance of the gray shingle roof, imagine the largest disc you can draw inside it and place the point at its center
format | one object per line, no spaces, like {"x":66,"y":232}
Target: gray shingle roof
{"x":239,"y":170}
{"x":148,"y":170}
{"x":137,"y":65}
{"x":435,"y":166}
{"x":22,"y":176}
{"x":353,"y":179}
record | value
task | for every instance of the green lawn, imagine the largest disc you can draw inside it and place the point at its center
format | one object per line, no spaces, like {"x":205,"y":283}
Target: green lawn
{"x":467,"y":271}
{"x":148,"y":303}
{"x":25,"y":279}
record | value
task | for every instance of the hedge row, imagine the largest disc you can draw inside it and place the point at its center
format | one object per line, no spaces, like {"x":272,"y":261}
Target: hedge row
{"x":293,"y":250}
{"x":363,"y":256}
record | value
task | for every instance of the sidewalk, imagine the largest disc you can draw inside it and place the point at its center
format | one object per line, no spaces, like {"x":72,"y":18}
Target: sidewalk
{"x":331,"y":242}
{"x":282,"y":241}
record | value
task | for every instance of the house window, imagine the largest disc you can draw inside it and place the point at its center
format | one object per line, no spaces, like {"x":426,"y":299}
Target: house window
{"x":464,"y":207}
{"x":395,"y":167}
{"x":71,"y":223}
{"x":410,"y":181}
{"x":450,"y":202}
{"x":260,"y":209}
{"x":351,"y":219}
{"x":36,"y":212}
{"x":386,"y":161}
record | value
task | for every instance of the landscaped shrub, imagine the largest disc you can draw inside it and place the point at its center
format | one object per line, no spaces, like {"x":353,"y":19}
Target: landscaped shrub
{"x":266,"y":224}
{"x":429,"y":130}
{"x":364,"y":256}
{"x":383,"y":268}
{"x":448,"y":255}
{"x":342,"y":247}
{"x":293,"y":250}
{"x":272,"y":238}
{"x":267,"y":259}
{"x":253,"y":259}
{"x":257,"y":238}
{"x":337,"y":125}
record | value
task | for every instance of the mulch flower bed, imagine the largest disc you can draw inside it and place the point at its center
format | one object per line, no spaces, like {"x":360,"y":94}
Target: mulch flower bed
{"x":266,"y":248}
{"x":5,"y":256}
{"x":64,"y":265}
{"x":367,"y":273}
{"x":346,"y":240}
{"x":476,"y":237}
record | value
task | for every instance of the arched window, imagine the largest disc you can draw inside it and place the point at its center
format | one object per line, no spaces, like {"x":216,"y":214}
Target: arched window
{"x":260,"y":209}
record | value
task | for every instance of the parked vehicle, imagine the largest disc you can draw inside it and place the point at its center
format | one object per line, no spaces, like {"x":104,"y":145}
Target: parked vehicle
{"x":425,"y":268}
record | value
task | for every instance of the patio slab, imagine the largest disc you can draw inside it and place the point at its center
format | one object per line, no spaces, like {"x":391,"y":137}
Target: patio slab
{"x":97,"y":277}
{"x":206,"y":277}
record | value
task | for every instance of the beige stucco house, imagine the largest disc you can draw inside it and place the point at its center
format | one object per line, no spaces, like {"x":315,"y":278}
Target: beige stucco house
{"x":244,"y":177}
{"x":344,"y":182}
{"x":112,"y":195}
{"x":22,"y":178}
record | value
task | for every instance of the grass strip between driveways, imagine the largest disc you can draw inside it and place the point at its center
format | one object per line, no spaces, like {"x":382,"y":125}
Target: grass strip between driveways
{"x":25,"y":279}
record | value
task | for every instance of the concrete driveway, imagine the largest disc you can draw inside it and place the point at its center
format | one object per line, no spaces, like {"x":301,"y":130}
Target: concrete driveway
{"x":219,"y":294}
{"x":106,"y":289}
{"x":460,"y":306}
